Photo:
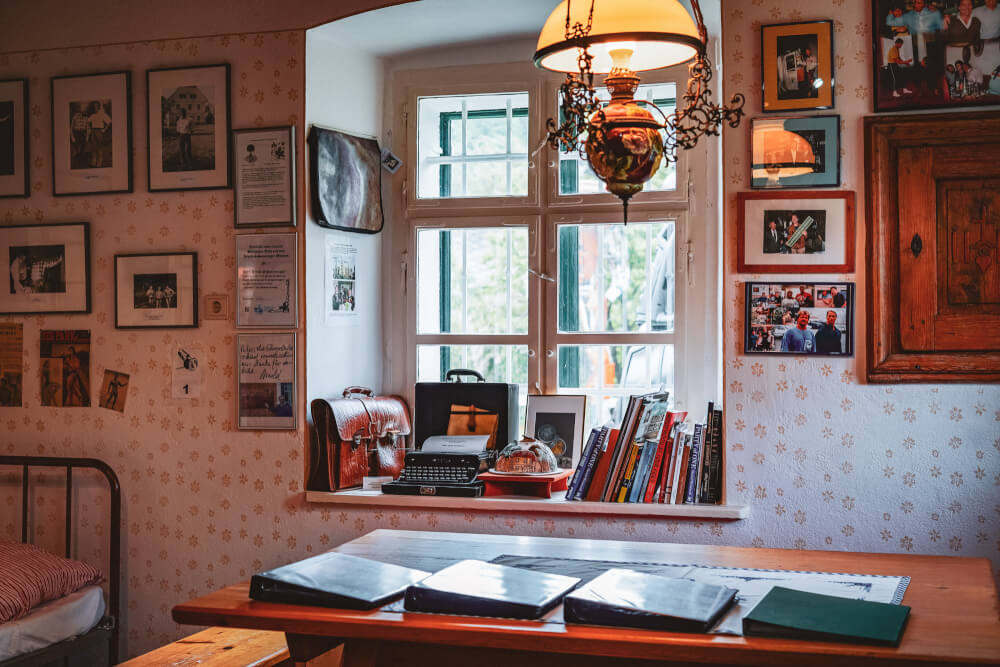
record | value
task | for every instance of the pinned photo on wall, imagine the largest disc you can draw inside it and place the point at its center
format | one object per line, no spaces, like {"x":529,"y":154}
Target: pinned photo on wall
{"x":11,"y":364}
{"x":114,"y":390}
{"x":390,"y":162}
{"x":186,"y":378}
{"x":341,"y":279}
{"x":65,"y":368}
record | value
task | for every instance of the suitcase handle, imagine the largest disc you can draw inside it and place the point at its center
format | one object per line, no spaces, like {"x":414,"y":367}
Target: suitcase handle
{"x":364,"y":391}
{"x":455,"y":373}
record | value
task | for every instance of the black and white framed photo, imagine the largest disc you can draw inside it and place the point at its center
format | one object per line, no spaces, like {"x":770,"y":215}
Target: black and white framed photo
{"x":188,"y":125}
{"x":796,"y":66}
{"x":49,"y":269}
{"x":800,"y":152}
{"x":266,"y":280}
{"x":266,"y":394}
{"x":92,"y":133}
{"x":791,"y":317}
{"x":156,"y":290}
{"x":264,"y":176}
{"x":557,"y":421}
{"x":15,"y":159}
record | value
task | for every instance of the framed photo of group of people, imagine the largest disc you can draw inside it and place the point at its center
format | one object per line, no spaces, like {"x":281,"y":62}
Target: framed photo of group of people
{"x":800,"y":318}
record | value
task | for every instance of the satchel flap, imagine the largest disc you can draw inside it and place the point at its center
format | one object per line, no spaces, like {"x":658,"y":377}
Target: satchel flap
{"x":349,"y":417}
{"x":388,"y":413}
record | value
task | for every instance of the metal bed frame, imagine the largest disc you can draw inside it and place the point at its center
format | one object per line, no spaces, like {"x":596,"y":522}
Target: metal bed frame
{"x":108,"y":629}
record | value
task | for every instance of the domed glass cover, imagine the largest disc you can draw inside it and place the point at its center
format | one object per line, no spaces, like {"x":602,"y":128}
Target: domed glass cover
{"x":526,"y":457}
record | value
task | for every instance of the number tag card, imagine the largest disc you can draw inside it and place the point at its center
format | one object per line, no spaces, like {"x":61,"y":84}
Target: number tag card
{"x":187,"y":375}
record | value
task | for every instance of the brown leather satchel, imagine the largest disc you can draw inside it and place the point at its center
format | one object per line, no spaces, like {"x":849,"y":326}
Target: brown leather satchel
{"x":357,"y":436}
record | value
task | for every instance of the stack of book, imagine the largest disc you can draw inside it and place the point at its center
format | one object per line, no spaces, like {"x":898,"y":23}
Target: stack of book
{"x":653,"y":456}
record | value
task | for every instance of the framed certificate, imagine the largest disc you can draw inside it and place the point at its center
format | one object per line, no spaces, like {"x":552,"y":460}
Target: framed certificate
{"x":264,"y":169}
{"x":267,"y":398}
{"x":266,"y":280}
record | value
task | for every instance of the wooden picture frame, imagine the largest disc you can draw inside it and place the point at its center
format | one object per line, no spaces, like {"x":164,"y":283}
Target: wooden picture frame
{"x":91,"y":133}
{"x":267,"y":280}
{"x":196,"y":156}
{"x":156,"y":290}
{"x":796,"y":66}
{"x":264,"y":185}
{"x":827,"y":245}
{"x":49,"y":269}
{"x":933,"y":264}
{"x":799,"y":317}
{"x":267,"y":368}
{"x":918,"y":70}
{"x":784,"y":149}
{"x":15,"y":145}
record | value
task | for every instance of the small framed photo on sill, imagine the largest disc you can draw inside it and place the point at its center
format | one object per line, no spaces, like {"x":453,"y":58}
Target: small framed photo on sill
{"x":557,"y":421}
{"x":790,"y":317}
{"x":15,"y":160}
{"x":264,"y":176}
{"x":156,"y":290}
{"x":796,"y":66}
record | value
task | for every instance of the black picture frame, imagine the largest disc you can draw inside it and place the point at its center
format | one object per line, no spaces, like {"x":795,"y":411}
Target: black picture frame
{"x":821,"y":133}
{"x":206,"y":164}
{"x":86,"y":158}
{"x":788,"y":82}
{"x":15,"y":138}
{"x":49,"y":269}
{"x":257,"y":147}
{"x":766,"y":320}
{"x":156,"y":290}
{"x":924,"y":81}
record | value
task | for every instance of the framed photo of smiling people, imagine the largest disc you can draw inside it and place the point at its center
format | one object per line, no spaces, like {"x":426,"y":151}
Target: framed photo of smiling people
{"x":789,"y":317}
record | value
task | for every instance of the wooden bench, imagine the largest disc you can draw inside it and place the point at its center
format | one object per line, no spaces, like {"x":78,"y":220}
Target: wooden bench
{"x":219,"y":647}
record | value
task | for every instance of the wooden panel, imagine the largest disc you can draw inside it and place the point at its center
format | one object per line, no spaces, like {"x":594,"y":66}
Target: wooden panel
{"x":969,"y":220}
{"x":917,"y":249}
{"x":219,"y":647}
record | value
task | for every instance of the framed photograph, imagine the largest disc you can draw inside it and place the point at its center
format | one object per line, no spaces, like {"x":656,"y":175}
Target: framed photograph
{"x":799,"y":318}
{"x":345,"y":181}
{"x":267,"y":398}
{"x":802,"y":152}
{"x":795,"y":232}
{"x":216,"y":307}
{"x":796,"y":66}
{"x":49,"y":269}
{"x":264,"y":171}
{"x":188,"y":125}
{"x":156,"y":290}
{"x":15,"y":162}
{"x":930,"y":55}
{"x":92,"y":133}
{"x":557,"y":421}
{"x":266,"y":280}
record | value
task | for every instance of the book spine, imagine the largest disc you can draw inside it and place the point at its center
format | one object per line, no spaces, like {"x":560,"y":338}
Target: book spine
{"x":595,"y":488}
{"x":600,"y":443}
{"x":615,"y":450}
{"x":704,"y":466}
{"x":662,"y":492}
{"x":676,"y":446}
{"x":629,"y":468}
{"x":622,"y":450}
{"x":659,"y":458}
{"x":718,"y":451}
{"x":581,"y":464}
{"x":691,"y":486}
{"x":680,"y":480}
{"x":638,"y":490}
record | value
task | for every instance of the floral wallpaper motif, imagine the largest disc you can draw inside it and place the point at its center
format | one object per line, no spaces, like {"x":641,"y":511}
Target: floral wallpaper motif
{"x":824,"y":461}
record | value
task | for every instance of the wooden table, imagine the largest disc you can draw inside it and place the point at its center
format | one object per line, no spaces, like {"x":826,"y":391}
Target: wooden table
{"x":954,"y":618}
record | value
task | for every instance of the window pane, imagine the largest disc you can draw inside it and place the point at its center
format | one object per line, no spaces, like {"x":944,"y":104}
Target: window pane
{"x":608,"y":374}
{"x":472,"y":146}
{"x":472,"y":281}
{"x":576,"y":176}
{"x":616,"y":278}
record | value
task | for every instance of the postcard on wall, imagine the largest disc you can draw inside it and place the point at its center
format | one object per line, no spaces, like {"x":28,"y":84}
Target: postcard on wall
{"x":65,"y":368}
{"x":264,"y":169}
{"x":341,"y":279}
{"x":114,"y":390}
{"x":267,"y":397}
{"x":11,"y":364}
{"x":266,"y":280}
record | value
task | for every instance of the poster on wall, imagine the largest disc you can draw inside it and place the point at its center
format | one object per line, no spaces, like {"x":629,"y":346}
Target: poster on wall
{"x":345,"y":181}
{"x":264,"y":176}
{"x":266,"y":280}
{"x":11,"y":364}
{"x":340,"y":294}
{"x":65,"y":368}
{"x":15,"y":160}
{"x":267,"y":397}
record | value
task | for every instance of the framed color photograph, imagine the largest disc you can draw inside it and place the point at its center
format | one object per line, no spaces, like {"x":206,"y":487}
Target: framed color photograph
{"x":266,"y":280}
{"x":264,"y":172}
{"x":802,"y":152}
{"x":799,"y":318}
{"x":92,"y":133}
{"x":557,"y":421}
{"x":156,"y":290}
{"x":15,"y":162}
{"x":796,"y":66}
{"x":49,"y":269}
{"x":188,"y":125}
{"x":795,"y":232}
{"x":930,"y":55}
{"x":267,"y":397}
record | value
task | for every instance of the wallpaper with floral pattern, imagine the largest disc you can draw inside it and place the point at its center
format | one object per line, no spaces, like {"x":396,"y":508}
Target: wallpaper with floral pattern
{"x":824,"y":461}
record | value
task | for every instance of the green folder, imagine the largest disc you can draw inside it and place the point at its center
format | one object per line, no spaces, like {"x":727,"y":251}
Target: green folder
{"x":785,"y":612}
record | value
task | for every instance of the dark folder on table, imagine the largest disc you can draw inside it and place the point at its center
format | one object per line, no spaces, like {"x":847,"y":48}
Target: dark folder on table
{"x":785,"y":612}
{"x":477,"y":588}
{"x":639,"y":600}
{"x":334,"y":580}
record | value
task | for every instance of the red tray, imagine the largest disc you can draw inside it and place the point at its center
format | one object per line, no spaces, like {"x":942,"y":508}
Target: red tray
{"x":536,"y":486}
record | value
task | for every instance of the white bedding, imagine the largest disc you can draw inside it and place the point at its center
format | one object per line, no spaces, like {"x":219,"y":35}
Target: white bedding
{"x":52,"y":622}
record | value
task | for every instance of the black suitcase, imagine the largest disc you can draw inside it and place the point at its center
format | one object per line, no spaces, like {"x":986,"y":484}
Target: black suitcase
{"x":433,"y":400}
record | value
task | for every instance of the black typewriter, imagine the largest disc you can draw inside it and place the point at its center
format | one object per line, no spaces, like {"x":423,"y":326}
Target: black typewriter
{"x":440,"y":475}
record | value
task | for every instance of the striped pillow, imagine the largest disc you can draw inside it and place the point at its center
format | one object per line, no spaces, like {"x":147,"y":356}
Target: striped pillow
{"x":30,"y":576}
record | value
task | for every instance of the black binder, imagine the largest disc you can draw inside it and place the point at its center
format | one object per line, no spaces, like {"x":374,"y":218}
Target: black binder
{"x":639,"y":600}
{"x":334,"y":580}
{"x":433,"y":400}
{"x":477,"y":588}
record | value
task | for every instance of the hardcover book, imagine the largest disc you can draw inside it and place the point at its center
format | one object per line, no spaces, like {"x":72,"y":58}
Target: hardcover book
{"x":786,"y":612}
{"x":334,"y":580}
{"x":478,"y":588}
{"x":595,"y":487}
{"x":636,"y":599}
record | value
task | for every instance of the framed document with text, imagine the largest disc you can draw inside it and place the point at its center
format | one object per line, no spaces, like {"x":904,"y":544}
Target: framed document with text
{"x":264,"y":176}
{"x":267,"y":397}
{"x":266,"y":281}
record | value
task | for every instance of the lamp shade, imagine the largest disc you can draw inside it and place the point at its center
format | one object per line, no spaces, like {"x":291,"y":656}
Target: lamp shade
{"x":659,"y":33}
{"x":781,"y":153}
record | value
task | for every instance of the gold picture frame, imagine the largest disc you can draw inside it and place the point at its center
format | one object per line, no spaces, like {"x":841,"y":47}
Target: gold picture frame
{"x":796,"y":66}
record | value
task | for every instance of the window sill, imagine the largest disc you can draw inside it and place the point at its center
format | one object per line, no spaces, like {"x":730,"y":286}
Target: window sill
{"x":526,"y":505}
